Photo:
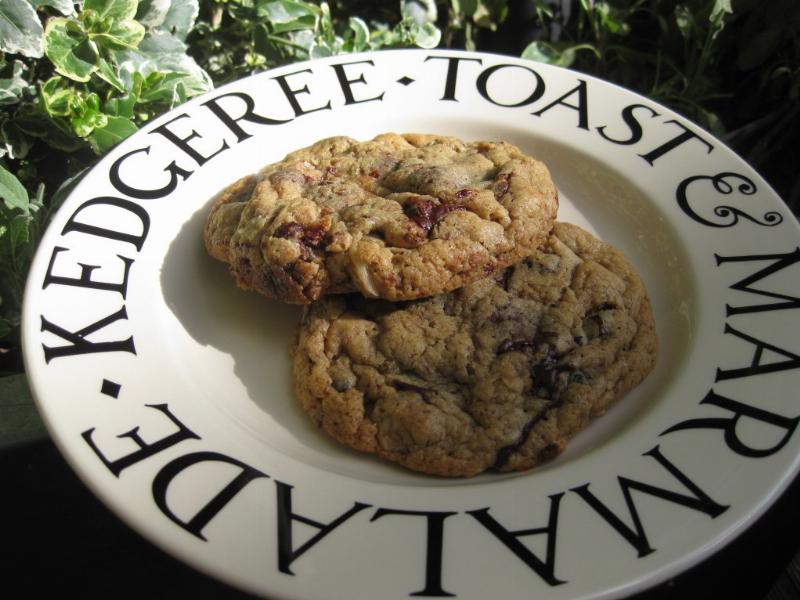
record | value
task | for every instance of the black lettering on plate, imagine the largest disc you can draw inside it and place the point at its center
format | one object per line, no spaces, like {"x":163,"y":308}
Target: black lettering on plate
{"x":197,"y":523}
{"x":248,"y":115}
{"x":433,"y":551}
{"x":544,"y":568}
{"x":728,"y":424}
{"x":629,"y":117}
{"x":780,"y":261}
{"x":728,"y":215}
{"x":287,"y":554}
{"x":78,"y":344}
{"x":482,"y":84}
{"x":756,"y":366}
{"x":636,"y":536}
{"x":451,"y":79}
{"x":183,"y":142}
{"x":582,"y":107}
{"x":292,"y":93}
{"x":136,"y":239}
{"x":176,"y":174}
{"x":347,"y":84}
{"x":676,"y":142}
{"x":145,"y":450}
{"x":85,"y":280}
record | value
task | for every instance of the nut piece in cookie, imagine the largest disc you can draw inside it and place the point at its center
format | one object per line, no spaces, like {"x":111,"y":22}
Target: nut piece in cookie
{"x":398,"y":217}
{"x":497,"y":375}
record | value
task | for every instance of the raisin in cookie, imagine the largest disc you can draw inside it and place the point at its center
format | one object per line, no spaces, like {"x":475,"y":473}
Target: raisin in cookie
{"x":498,"y":374}
{"x":398,"y":217}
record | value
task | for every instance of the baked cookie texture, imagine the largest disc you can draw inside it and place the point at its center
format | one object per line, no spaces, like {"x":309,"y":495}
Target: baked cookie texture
{"x":498,"y":374}
{"x":399,"y":217}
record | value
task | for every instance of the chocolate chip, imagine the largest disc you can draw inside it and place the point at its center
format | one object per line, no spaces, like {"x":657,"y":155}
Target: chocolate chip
{"x":404,"y":386}
{"x":464,"y":193}
{"x":427,"y":213}
{"x":549,"y":452}
{"x":505,"y":277}
{"x":312,"y":236}
{"x":604,"y":306}
{"x":292,"y":231}
{"x":500,"y":186}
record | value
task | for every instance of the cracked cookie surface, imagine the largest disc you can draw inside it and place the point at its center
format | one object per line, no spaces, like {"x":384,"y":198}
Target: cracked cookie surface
{"x":498,"y":374}
{"x":398,"y":217}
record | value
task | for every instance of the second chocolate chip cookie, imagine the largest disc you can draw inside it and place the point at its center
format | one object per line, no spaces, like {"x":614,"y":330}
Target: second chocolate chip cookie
{"x":398,"y":217}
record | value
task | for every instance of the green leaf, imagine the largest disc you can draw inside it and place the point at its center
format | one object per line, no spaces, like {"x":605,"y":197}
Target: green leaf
{"x":55,"y":130}
{"x":562,"y":55}
{"x":168,"y":88}
{"x":13,"y":193}
{"x":426,"y":35}
{"x":69,"y":49}
{"x":176,"y":17}
{"x":717,"y":18}
{"x":107,"y":73}
{"x":419,"y":11}
{"x":122,"y":35}
{"x":19,"y":420}
{"x":86,"y":115}
{"x":160,"y":52}
{"x":65,"y":7}
{"x":360,"y":33}
{"x":19,"y":230}
{"x":102,"y":139}
{"x":121,"y":10}
{"x":11,"y":89}
{"x":684,"y":19}
{"x":319,"y":51}
{"x":56,"y":96}
{"x":287,"y":15}
{"x":17,"y":141}
{"x":20,"y":29}
{"x":468,"y":7}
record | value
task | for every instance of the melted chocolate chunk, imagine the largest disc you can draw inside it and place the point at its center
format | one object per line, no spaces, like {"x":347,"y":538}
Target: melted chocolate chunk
{"x":311,"y":236}
{"x":500,"y":186}
{"x":506,"y":451}
{"x":404,"y":386}
{"x":505,"y":277}
{"x":549,"y":452}
{"x":427,"y":213}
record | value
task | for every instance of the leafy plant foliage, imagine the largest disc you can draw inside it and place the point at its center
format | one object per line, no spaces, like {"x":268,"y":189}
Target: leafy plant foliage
{"x":78,"y":77}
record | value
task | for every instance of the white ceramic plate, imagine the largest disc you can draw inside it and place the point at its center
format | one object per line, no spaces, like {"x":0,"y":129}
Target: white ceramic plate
{"x":168,"y":389}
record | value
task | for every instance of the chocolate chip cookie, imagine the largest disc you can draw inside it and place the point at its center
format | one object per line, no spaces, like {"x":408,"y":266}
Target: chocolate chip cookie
{"x":498,"y":374}
{"x":399,"y":217}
